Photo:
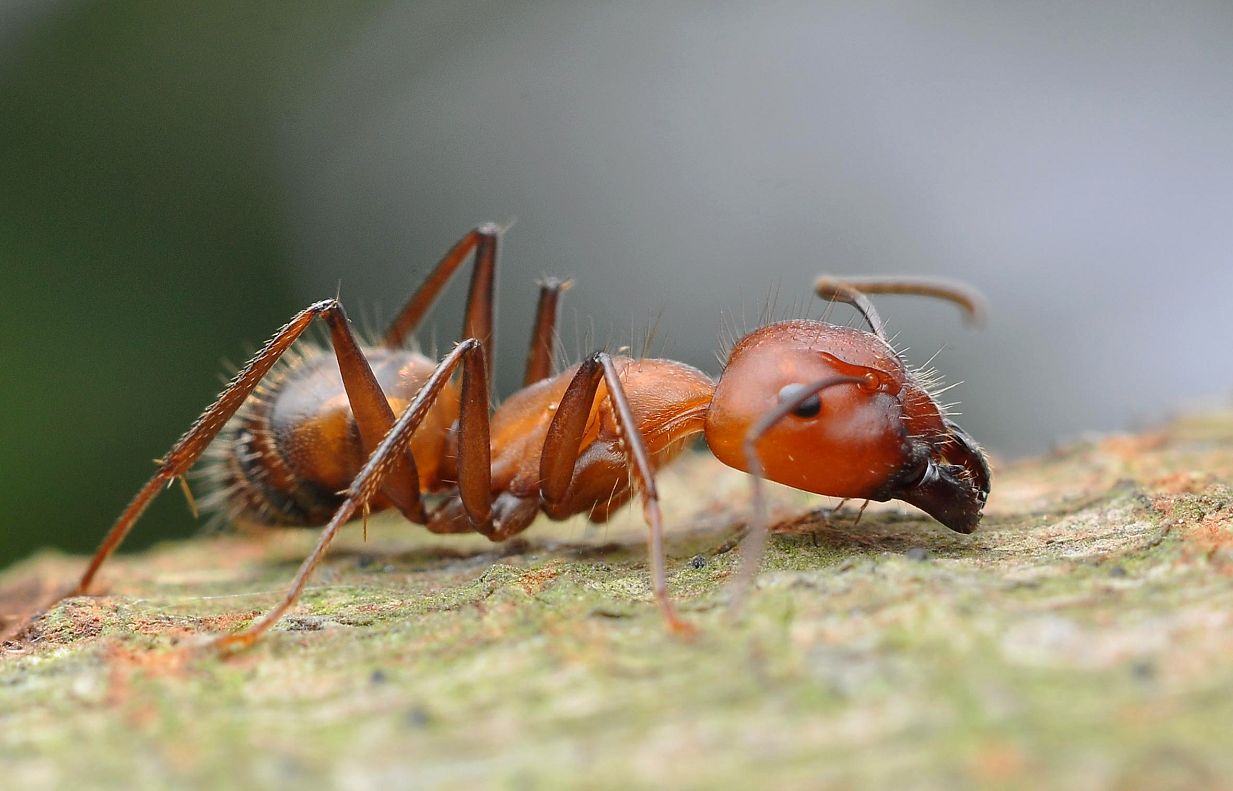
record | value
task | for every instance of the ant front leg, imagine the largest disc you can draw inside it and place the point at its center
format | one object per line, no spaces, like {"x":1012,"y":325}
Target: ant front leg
{"x":754,"y":544}
{"x":371,"y":409}
{"x":560,"y":455}
{"x":510,"y":514}
{"x":384,"y":463}
{"x":543,"y":336}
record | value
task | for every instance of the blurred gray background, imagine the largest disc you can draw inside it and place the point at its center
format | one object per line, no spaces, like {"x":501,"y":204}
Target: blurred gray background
{"x":179,"y":178}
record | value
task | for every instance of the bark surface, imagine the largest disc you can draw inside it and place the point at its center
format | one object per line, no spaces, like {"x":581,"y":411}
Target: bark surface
{"x":1082,"y":637}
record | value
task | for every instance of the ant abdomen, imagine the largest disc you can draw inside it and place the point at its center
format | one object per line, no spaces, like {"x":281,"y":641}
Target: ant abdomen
{"x":293,"y":448}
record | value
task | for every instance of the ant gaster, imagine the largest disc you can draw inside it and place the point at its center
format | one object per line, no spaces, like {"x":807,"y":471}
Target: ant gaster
{"x":824,"y":408}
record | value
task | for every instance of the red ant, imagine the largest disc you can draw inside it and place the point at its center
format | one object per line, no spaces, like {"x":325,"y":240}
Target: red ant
{"x":829,"y":409}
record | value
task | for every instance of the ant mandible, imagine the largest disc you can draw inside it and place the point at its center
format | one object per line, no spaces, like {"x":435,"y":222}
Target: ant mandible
{"x":825,"y":408}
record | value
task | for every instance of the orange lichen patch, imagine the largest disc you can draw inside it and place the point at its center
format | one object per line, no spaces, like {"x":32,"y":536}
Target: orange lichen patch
{"x":1182,"y":483}
{"x":1204,"y":521}
{"x":1035,"y":485}
{"x":125,"y":665}
{"x":122,"y":660}
{"x":998,"y":762}
{"x":535,"y":581}
{"x":1165,"y":505}
{"x":1132,"y":447}
{"x":1213,"y":537}
{"x":83,"y":619}
{"x":176,"y":628}
{"x":383,"y":608}
{"x":163,"y":628}
{"x":227,"y":621}
{"x":181,"y":564}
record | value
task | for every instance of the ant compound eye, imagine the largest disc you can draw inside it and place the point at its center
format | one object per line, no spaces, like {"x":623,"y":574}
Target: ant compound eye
{"x":810,"y":407}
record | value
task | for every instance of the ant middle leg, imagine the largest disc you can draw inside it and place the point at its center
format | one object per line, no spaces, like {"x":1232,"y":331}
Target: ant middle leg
{"x":753,"y":546}
{"x":560,"y":456}
{"x":510,"y":513}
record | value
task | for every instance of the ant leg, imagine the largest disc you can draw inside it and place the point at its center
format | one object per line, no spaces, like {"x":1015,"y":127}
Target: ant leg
{"x":362,"y":389}
{"x":190,"y":446}
{"x":478,"y":321}
{"x":474,"y":448}
{"x":560,"y":454}
{"x":372,"y":412}
{"x":754,"y":545}
{"x":543,"y":337}
{"x":381,"y":464}
{"x":853,"y":290}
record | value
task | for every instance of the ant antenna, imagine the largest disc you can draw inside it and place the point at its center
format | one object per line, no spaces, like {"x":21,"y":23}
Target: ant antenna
{"x":843,"y":291}
{"x":969,"y":301}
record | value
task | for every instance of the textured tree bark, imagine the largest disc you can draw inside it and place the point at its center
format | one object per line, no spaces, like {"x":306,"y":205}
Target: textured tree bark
{"x":1083,"y":636}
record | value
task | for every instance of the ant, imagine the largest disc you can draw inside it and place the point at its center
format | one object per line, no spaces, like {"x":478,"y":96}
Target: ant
{"x":825,"y":408}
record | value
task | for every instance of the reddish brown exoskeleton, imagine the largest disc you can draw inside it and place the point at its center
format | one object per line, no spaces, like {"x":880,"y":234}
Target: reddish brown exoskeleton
{"x":330,"y":438}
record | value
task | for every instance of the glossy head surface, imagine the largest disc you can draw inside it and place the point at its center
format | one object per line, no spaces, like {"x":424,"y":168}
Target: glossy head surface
{"x":854,"y":440}
{"x":876,"y":438}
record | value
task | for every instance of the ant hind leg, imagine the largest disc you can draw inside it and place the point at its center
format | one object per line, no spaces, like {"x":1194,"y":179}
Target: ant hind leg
{"x":384,"y":461}
{"x":371,"y":409}
{"x":362,"y":389}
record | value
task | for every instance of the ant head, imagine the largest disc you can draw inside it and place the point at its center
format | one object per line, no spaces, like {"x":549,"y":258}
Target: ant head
{"x":832,"y":410}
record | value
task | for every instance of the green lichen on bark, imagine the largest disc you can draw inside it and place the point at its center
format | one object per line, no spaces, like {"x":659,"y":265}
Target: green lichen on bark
{"x":1081,"y":638}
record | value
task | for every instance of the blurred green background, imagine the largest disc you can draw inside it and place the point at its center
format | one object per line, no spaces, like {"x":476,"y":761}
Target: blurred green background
{"x":178,"y":178}
{"x":142,"y":239}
